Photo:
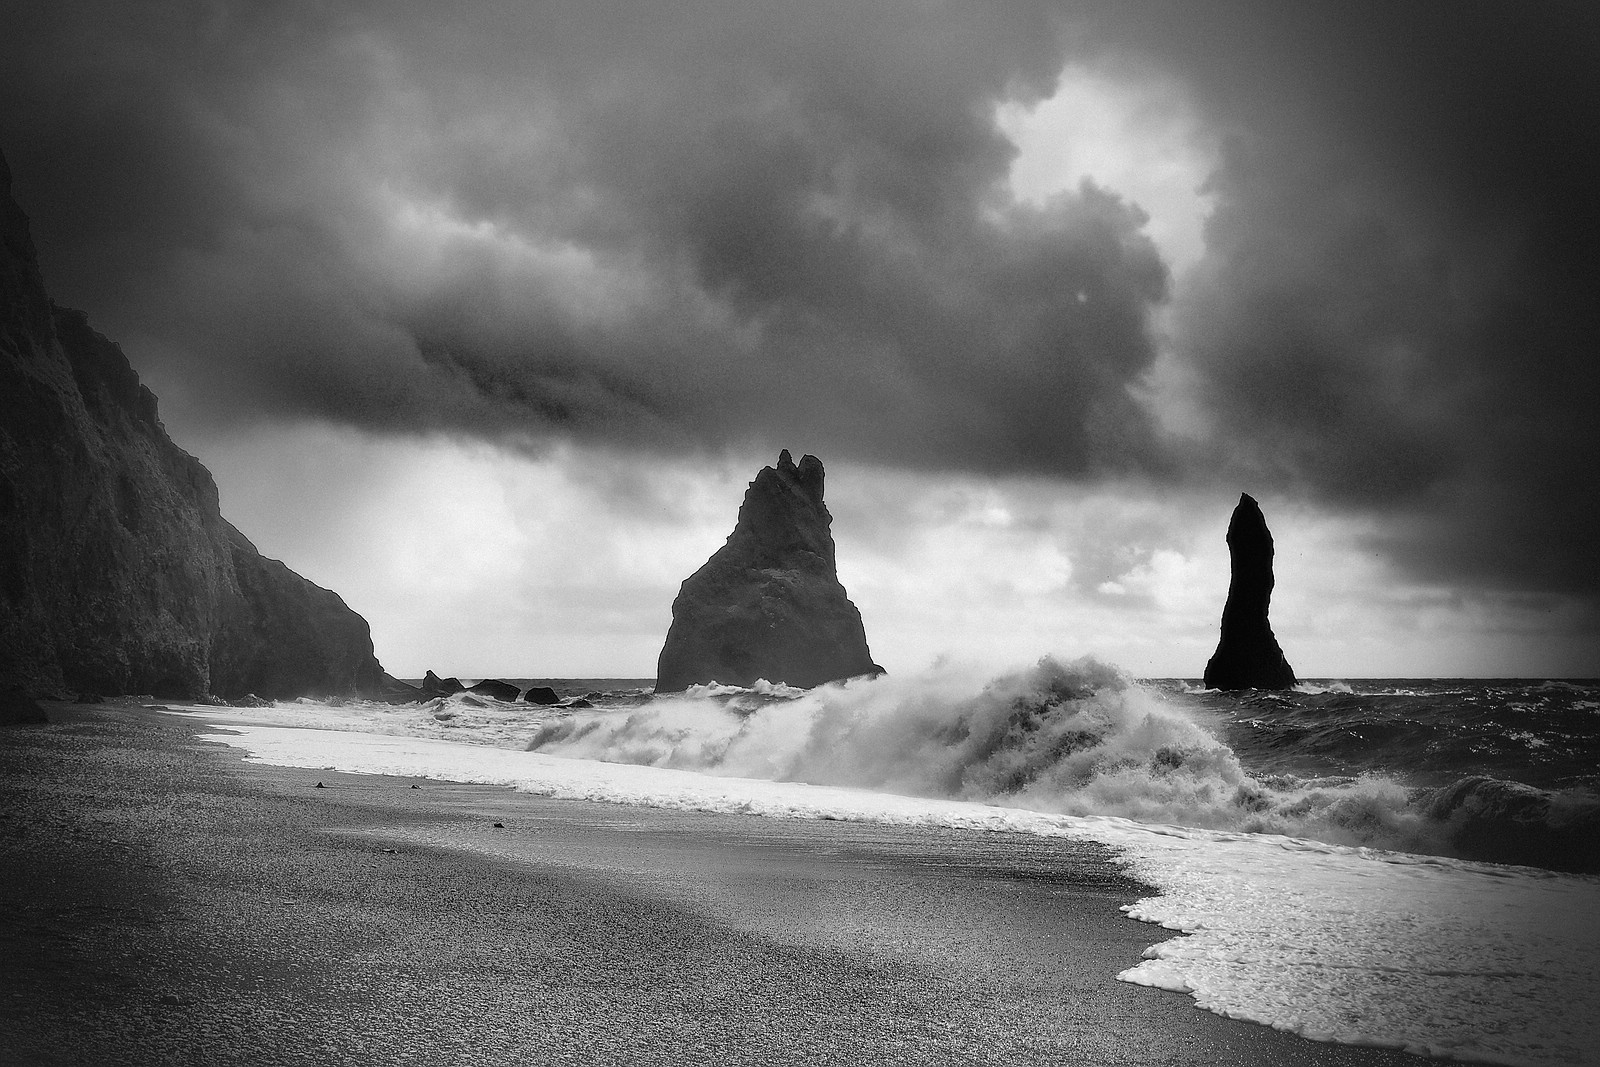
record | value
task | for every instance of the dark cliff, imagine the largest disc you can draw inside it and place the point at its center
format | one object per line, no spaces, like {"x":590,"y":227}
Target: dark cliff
{"x":1248,"y":656}
{"x":768,"y":603}
{"x":117,"y":571}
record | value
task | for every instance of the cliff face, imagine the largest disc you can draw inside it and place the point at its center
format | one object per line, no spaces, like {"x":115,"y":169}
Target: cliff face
{"x":117,"y":571}
{"x":768,"y":604}
{"x":1248,"y":656}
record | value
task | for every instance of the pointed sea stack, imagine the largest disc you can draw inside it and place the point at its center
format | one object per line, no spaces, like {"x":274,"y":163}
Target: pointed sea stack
{"x":1248,"y":656}
{"x":768,"y":603}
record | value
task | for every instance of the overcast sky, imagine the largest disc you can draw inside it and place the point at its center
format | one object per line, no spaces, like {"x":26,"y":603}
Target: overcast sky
{"x":483,"y":315}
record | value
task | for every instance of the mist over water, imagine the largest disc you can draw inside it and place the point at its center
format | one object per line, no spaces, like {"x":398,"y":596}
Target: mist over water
{"x":1083,"y":738}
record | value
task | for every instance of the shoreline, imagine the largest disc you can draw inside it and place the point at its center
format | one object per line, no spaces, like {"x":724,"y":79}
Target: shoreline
{"x":173,"y":903}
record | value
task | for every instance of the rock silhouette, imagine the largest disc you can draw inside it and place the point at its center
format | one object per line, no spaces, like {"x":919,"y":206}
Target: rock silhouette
{"x":118,"y":573}
{"x":495,"y":689}
{"x":541,"y":694}
{"x":768,"y":603}
{"x":435,"y":686}
{"x":1248,"y":656}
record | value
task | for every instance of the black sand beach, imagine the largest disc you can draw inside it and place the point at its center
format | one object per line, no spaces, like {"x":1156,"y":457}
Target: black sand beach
{"x":168,"y":903}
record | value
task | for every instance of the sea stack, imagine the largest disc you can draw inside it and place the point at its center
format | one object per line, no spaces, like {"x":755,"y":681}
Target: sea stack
{"x":768,"y":603}
{"x":1248,"y":656}
{"x":118,"y":573}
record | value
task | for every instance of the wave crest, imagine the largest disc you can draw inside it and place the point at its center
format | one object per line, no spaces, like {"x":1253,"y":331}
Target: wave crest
{"x":1074,"y":738}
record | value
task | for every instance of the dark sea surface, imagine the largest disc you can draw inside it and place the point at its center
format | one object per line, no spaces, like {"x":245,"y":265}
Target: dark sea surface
{"x":1498,"y":769}
{"x":1428,"y":732}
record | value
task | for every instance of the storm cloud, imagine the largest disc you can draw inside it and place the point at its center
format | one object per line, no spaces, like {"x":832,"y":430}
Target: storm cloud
{"x":1397,"y":310}
{"x":683,"y":225}
{"x":693,"y":226}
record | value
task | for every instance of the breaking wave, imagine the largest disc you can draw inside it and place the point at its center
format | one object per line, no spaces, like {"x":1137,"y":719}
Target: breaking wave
{"x":1075,"y":738}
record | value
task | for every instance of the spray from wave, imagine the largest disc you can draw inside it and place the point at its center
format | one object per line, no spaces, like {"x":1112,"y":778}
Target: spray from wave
{"x":1077,"y":738}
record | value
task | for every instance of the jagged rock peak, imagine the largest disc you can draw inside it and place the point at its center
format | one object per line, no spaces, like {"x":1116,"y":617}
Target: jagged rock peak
{"x":768,"y":604}
{"x":783,"y":511}
{"x":1248,"y":656}
{"x":806,"y":477}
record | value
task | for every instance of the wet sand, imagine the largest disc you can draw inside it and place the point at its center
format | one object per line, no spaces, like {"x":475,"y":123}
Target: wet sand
{"x":167,"y":903}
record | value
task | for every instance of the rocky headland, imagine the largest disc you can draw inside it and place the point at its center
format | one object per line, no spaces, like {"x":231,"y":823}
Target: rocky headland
{"x":768,"y":604}
{"x":118,"y":573}
{"x":1248,"y":656}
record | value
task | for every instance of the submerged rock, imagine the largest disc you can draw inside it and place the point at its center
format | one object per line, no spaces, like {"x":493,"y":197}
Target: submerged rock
{"x":541,"y":694}
{"x":1248,"y":656}
{"x":495,"y":689}
{"x":118,"y":573}
{"x":768,"y":603}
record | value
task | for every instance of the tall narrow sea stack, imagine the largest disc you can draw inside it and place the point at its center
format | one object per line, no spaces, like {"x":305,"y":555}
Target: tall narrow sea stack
{"x":118,"y":573}
{"x":1248,"y":656}
{"x":768,"y":603}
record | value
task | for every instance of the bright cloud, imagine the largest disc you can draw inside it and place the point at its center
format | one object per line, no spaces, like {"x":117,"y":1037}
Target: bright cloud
{"x":478,"y":562}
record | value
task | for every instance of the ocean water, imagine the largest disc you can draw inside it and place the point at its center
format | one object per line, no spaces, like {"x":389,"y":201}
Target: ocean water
{"x":1403,"y":863}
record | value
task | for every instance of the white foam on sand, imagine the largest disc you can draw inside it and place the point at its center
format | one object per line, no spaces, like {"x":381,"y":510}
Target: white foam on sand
{"x":1438,"y":957}
{"x":1470,"y":961}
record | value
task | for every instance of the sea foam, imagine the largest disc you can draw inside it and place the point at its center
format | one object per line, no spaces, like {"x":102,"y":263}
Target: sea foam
{"x":1075,"y":738}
